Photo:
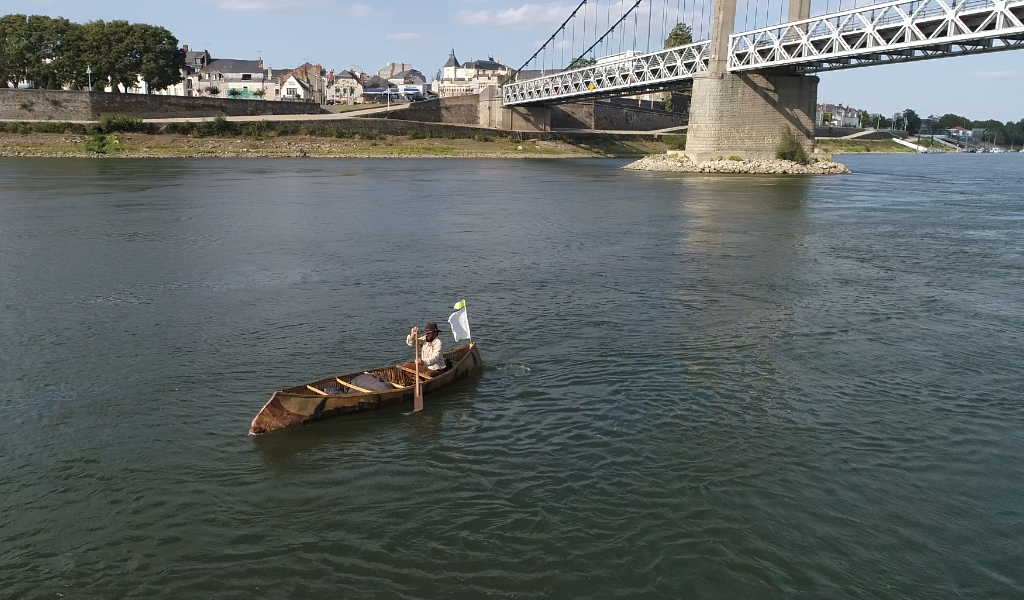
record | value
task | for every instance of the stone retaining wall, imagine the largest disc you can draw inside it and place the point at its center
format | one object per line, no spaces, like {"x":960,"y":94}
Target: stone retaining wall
{"x":46,"y":105}
{"x":613,"y":117}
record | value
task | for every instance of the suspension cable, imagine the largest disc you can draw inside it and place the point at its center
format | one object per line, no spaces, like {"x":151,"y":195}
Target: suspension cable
{"x":550,"y":39}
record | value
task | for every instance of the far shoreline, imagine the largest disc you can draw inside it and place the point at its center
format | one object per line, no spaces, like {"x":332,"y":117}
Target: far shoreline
{"x":163,"y":145}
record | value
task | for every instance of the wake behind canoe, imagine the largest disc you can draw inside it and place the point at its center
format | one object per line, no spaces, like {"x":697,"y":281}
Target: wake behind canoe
{"x":358,"y":392}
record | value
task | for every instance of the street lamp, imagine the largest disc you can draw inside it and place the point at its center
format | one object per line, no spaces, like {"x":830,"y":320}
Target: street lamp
{"x":88,"y":71}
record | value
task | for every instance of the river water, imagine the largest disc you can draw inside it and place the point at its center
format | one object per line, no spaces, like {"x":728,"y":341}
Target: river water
{"x":696,"y":386}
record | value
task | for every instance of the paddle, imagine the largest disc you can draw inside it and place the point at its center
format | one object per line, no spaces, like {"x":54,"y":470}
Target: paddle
{"x":417,"y":398}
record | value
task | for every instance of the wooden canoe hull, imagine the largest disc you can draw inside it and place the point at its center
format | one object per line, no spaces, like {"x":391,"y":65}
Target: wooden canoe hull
{"x":303,"y":404}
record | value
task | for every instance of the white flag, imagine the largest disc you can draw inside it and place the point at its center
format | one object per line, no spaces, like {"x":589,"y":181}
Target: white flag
{"x":459,"y":321}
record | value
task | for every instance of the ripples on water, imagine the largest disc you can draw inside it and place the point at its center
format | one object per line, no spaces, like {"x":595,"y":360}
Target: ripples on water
{"x":700,"y":387}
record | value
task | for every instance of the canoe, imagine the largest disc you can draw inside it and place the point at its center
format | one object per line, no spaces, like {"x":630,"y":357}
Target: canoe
{"x":358,"y":392}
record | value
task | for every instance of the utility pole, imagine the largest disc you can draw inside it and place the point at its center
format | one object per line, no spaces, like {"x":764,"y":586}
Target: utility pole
{"x":88,"y":71}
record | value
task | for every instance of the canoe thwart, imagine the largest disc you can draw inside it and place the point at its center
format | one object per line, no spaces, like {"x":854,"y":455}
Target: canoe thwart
{"x":355,"y":387}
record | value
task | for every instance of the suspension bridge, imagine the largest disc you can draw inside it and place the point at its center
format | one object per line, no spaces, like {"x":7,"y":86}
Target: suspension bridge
{"x":751,"y":63}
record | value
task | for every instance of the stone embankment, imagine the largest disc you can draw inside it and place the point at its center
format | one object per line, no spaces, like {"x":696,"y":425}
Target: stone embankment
{"x":680,"y":164}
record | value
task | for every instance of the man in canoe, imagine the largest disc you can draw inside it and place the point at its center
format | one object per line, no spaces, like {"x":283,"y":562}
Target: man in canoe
{"x":431,"y":356}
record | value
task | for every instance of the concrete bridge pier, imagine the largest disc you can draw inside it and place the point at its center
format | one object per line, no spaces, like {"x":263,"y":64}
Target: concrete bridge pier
{"x":747,"y":114}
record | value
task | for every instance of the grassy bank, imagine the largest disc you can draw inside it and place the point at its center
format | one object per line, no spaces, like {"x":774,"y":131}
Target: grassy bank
{"x":862,"y":147}
{"x":177,"y":145}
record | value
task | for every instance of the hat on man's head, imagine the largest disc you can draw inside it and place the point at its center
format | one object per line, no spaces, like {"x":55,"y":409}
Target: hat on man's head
{"x":431,"y":327}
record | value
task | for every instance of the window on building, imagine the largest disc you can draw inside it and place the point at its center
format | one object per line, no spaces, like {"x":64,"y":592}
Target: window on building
{"x":291,"y":92}
{"x":246,"y":77}
{"x":199,"y":61}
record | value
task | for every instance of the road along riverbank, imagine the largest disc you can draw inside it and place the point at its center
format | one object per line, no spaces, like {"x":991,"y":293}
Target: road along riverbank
{"x":681,"y":164}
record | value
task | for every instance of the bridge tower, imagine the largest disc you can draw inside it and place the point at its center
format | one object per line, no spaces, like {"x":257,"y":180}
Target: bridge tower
{"x":746,"y":114}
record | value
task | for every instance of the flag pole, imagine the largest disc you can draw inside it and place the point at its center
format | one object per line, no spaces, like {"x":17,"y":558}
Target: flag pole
{"x":417,"y":398}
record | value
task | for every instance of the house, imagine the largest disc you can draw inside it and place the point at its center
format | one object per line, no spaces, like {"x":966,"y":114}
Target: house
{"x":295,"y":89}
{"x":409,"y":81}
{"x":837,"y":115}
{"x":345,"y":88}
{"x":392,"y":70}
{"x":959,"y":133}
{"x":314,"y":78}
{"x":234,"y":78}
{"x":461,"y":79}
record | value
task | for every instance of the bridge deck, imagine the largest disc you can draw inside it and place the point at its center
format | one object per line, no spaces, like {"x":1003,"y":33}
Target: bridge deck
{"x":897,"y":31}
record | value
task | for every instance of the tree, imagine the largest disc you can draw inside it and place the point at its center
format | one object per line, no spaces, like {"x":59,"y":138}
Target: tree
{"x":15,"y":53}
{"x":950,"y":120}
{"x":162,"y":59}
{"x":680,"y":35}
{"x":913,"y":122}
{"x":234,"y":93}
{"x":580,"y":63}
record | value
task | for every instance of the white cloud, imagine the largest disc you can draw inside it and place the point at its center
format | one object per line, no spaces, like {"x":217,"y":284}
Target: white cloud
{"x":249,"y":5}
{"x":404,"y":37}
{"x":526,"y":16}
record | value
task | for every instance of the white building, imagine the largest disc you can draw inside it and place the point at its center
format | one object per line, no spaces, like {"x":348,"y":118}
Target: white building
{"x":837,"y":115}
{"x":231,"y":78}
{"x":345,"y":88}
{"x":461,"y":79}
{"x":295,"y":89}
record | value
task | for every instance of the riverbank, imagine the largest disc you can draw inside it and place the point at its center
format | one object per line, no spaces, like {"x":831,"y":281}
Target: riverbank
{"x":141,"y":145}
{"x":843,"y":146}
{"x":680,"y":164}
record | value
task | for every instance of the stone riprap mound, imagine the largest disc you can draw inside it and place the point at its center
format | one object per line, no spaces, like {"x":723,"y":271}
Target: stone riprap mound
{"x":661,"y":162}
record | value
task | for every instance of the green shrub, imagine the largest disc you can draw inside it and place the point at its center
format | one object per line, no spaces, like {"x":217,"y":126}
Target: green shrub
{"x":419,"y":134}
{"x":22,"y":128}
{"x":218,"y":127}
{"x":483,"y":138}
{"x":368,"y":135}
{"x":186,"y":128}
{"x":99,"y":143}
{"x":50,"y":127}
{"x":675,"y":142}
{"x":790,"y":149}
{"x":256,"y":131}
{"x":119,"y":124}
{"x":735,"y":158}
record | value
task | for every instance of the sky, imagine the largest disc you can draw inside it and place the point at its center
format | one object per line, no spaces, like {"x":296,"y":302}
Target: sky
{"x":369,"y":34}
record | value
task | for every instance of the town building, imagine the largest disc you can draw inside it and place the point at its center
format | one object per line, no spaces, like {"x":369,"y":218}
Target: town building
{"x":344,"y":88}
{"x":409,"y":81}
{"x":837,"y":115}
{"x":469,"y":78}
{"x":392,"y":70}
{"x":307,"y":83}
{"x":234,"y":78}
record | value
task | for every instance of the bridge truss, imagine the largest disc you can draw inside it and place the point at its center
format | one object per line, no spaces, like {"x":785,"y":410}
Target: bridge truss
{"x":881,"y":33}
{"x":613,"y":76}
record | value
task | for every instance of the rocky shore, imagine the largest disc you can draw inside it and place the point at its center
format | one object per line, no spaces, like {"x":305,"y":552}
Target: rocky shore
{"x":680,"y":164}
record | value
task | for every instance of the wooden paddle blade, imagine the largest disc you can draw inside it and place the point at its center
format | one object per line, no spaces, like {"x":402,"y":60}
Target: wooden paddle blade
{"x":417,"y":397}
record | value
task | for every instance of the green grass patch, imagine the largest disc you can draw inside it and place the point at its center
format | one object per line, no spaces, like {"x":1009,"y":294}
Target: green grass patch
{"x":99,"y":143}
{"x":675,"y":142}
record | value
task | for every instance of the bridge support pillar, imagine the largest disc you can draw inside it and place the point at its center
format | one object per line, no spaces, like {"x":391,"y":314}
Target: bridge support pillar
{"x":747,"y":114}
{"x":516,"y":118}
